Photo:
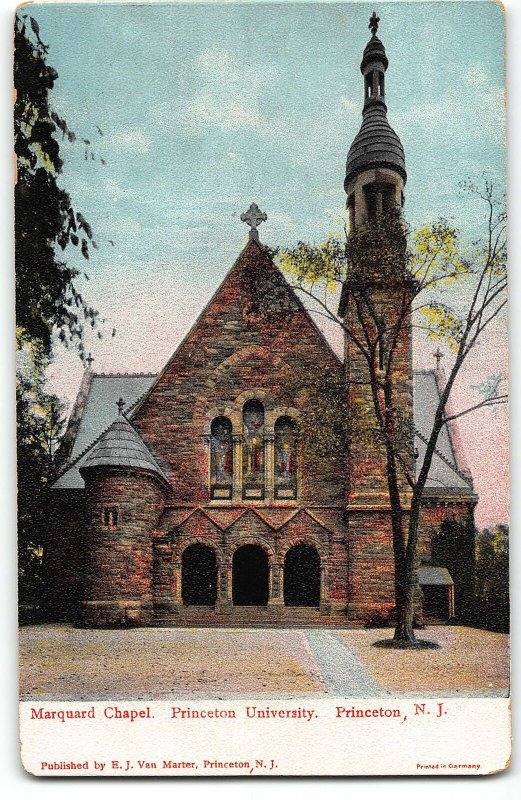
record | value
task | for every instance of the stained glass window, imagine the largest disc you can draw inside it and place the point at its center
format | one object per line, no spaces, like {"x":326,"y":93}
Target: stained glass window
{"x":253,"y":451}
{"x":221,"y":458}
{"x":285,"y":458}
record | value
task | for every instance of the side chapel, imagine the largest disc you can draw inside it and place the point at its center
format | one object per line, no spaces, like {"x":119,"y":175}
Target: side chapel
{"x":191,"y":497}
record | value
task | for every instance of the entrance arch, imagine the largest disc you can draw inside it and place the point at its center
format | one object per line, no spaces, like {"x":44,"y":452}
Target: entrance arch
{"x":302,"y":576}
{"x":199,"y":575}
{"x":250,"y":576}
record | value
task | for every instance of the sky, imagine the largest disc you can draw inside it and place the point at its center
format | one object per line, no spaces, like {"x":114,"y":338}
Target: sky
{"x":205,"y":108}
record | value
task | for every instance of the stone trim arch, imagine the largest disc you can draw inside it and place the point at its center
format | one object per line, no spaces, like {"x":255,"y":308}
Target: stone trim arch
{"x":287,"y":544}
{"x":255,"y":540}
{"x":273,"y":414}
{"x":224,"y":410}
{"x":190,"y":540}
{"x":261,"y":395}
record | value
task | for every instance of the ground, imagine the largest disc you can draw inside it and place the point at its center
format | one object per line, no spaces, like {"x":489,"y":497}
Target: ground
{"x":59,"y":662}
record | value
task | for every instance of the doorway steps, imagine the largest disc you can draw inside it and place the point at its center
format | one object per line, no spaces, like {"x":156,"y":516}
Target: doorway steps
{"x":251,"y":617}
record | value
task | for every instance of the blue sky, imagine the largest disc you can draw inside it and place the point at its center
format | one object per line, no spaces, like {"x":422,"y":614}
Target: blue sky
{"x":206,"y":108}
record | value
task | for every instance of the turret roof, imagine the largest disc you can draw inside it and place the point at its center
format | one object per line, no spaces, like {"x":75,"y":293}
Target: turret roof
{"x":121,"y":446}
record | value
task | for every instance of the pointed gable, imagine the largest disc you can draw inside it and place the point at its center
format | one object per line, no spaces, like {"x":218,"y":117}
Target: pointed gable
{"x":253,"y":339}
{"x":254,"y":305}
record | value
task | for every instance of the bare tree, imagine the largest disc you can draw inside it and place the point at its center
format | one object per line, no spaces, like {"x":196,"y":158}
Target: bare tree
{"x":393,"y":282}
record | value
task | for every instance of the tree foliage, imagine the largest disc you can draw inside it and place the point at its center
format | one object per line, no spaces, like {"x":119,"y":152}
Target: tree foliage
{"x":46,"y":223}
{"x":48,"y":302}
{"x":492,"y":579}
{"x":40,"y":417}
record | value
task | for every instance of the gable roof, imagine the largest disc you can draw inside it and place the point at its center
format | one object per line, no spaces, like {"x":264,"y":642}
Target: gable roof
{"x":121,"y":446}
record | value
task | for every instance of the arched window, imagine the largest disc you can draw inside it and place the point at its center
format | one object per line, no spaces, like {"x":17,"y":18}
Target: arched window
{"x":253,"y":451}
{"x":221,"y":459}
{"x":286,"y":463}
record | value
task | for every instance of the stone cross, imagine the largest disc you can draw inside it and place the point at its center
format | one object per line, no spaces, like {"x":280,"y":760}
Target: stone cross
{"x":373,"y":23}
{"x":89,"y":360}
{"x":438,"y":355}
{"x":120,"y":404}
{"x":253,"y":217}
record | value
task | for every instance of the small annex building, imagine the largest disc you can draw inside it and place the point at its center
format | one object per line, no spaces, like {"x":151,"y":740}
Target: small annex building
{"x":192,"y":497}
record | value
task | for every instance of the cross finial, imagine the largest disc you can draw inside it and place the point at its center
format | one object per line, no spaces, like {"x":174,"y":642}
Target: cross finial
{"x":438,"y":355}
{"x":253,"y":217}
{"x":373,"y":23}
{"x":89,"y":360}
{"x":120,"y":404}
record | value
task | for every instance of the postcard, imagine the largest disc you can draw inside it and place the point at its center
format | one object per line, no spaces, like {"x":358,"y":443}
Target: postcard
{"x":262,"y":371}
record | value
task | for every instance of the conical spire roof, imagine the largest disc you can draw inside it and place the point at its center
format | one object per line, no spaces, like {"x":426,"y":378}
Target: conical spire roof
{"x":122,"y":446}
{"x":376,"y":143}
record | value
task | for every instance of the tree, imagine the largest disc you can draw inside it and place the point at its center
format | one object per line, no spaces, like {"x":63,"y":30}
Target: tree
{"x":47,"y":298}
{"x":39,"y":422}
{"x":380,"y":259}
{"x":492,"y":584}
{"x":48,"y":302}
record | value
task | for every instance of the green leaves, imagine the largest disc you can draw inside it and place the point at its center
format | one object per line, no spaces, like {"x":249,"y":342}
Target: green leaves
{"x":441,"y":323}
{"x":45,"y":219}
{"x":323,"y":264}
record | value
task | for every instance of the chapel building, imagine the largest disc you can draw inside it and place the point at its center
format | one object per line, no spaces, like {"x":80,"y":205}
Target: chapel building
{"x":199,"y":496}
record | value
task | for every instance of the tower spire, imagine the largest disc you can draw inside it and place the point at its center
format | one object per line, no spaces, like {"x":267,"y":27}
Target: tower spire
{"x":375,"y":169}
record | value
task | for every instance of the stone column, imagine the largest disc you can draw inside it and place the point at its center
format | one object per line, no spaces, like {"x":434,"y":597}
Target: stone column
{"x":208,"y":449}
{"x":451,"y":602}
{"x":176,"y":583}
{"x":325,"y":605}
{"x":237,"y":467}
{"x":269,"y":449}
{"x":164,"y":601}
{"x":275,"y":595}
{"x":224,"y":583}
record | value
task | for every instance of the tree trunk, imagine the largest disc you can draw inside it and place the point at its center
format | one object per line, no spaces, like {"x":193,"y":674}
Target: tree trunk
{"x":403,"y":584}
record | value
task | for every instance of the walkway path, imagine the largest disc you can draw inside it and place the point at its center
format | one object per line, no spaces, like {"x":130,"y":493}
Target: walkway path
{"x":341,"y":671}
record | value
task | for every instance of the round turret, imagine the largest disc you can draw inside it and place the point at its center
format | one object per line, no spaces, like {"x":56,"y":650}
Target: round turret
{"x":125,"y":490}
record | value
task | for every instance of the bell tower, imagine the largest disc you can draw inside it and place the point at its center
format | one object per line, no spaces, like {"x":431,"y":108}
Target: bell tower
{"x":375,"y":169}
{"x":378,"y":347}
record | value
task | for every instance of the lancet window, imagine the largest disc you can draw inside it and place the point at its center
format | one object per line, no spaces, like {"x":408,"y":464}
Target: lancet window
{"x":221,"y":459}
{"x":253,"y":455}
{"x":286,"y":462}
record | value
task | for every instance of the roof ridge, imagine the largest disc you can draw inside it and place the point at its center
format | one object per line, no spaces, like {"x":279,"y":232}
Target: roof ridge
{"x":124,"y":374}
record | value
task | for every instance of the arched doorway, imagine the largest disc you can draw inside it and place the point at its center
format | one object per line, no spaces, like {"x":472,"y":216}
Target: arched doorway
{"x":250,"y":569}
{"x":302,"y":576}
{"x":199,"y":576}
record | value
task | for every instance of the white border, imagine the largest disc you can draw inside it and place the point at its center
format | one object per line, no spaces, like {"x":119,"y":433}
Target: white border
{"x":12,"y":777}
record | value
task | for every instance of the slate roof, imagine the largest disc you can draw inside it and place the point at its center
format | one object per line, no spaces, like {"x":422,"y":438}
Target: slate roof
{"x":434,"y":576}
{"x":447,"y":477}
{"x":96,"y":412}
{"x":374,"y":51}
{"x":446,"y":474}
{"x":121,"y":446}
{"x":375,"y":145}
